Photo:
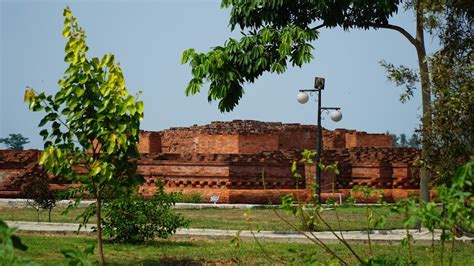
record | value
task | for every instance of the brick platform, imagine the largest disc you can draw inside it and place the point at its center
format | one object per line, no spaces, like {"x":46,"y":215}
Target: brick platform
{"x":249,"y":162}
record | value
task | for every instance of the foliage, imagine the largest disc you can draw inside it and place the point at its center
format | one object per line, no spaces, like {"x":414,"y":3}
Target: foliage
{"x":35,"y":188}
{"x":402,"y":76}
{"x":134,"y":219}
{"x":77,"y":257}
{"x":278,"y":32}
{"x":275,"y":33}
{"x":455,"y":215}
{"x":410,"y":210}
{"x":194,"y":197}
{"x":8,"y":244}
{"x":414,"y":141}
{"x":401,"y":141}
{"x":457,"y":204}
{"x":15,"y":141}
{"x":452,"y":76}
{"x":94,"y":124}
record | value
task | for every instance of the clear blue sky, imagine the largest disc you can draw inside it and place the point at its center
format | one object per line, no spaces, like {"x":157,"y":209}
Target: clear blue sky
{"x":148,"y":38}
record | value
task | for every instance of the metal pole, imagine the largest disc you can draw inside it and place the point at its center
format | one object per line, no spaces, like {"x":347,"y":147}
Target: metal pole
{"x":319,"y":141}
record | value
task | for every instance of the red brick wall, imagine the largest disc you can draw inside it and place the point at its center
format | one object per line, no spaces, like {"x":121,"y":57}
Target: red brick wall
{"x":254,"y":136}
{"x":150,"y":142}
{"x":297,"y":139}
{"x":249,"y":144}
{"x":374,"y":140}
{"x":14,"y":165}
{"x":178,"y":141}
{"x":227,"y":159}
{"x":361,"y":139}
{"x":205,"y":143}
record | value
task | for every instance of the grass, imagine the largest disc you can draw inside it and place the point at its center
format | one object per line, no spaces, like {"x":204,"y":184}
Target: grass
{"x":351,"y":218}
{"x":45,"y":249}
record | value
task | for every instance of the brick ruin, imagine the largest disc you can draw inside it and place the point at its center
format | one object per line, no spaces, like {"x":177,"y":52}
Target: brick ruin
{"x":229,"y":159}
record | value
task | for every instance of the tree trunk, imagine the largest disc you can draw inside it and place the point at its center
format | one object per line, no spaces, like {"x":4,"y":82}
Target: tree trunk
{"x":99,"y":228}
{"x":426,"y":103}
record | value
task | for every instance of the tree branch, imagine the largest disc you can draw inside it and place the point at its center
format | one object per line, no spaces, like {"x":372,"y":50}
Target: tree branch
{"x":405,"y":33}
{"x":318,"y":27}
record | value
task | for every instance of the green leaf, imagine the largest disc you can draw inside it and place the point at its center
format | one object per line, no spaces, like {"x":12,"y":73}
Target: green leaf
{"x":111,"y":147}
{"x":95,"y":170}
{"x":43,"y":157}
{"x":18,"y":244}
{"x":44,"y":133}
{"x":140,"y":107}
{"x":43,"y":121}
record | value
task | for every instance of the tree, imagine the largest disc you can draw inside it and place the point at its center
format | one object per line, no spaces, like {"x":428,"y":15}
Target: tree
{"x":279,"y":32}
{"x":452,"y":75}
{"x":93,"y":126}
{"x":414,"y":141}
{"x":35,"y":189}
{"x":403,"y":140}
{"x":15,"y":142}
{"x":394,"y":139}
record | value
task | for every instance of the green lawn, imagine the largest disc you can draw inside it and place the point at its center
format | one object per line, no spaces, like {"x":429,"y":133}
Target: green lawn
{"x":351,"y":218}
{"x":45,"y":250}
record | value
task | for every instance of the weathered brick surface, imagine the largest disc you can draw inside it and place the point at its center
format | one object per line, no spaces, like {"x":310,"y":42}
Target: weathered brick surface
{"x":149,"y":142}
{"x":206,"y":143}
{"x":249,"y":144}
{"x":249,"y":161}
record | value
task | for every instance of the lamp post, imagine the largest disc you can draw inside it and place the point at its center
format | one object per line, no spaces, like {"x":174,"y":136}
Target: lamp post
{"x":335,"y":115}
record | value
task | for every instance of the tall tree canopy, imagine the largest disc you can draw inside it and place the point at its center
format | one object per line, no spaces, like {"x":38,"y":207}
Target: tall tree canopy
{"x":452,"y":76}
{"x":276,"y":33}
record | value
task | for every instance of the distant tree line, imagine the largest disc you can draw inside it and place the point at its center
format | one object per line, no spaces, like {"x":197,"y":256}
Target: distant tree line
{"x":402,"y":141}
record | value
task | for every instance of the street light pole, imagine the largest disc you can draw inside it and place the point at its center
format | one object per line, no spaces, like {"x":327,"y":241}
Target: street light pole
{"x":335,"y":116}
{"x":319,"y":86}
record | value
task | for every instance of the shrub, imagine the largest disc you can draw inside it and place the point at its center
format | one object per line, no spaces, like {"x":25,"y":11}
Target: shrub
{"x":133,"y":219}
{"x":194,"y":197}
{"x":35,"y":189}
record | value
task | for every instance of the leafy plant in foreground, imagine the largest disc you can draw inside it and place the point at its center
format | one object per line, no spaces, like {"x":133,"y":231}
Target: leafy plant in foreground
{"x":133,"y":219}
{"x":94,"y":126}
{"x":8,"y":244}
{"x":77,"y":257}
{"x":372,"y":220}
{"x":452,"y":211}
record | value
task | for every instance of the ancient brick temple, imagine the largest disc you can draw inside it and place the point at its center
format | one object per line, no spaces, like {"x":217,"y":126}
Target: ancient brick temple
{"x":249,"y":162}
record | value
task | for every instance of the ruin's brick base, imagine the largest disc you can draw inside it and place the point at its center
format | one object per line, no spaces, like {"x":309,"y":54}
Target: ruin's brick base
{"x":249,"y":162}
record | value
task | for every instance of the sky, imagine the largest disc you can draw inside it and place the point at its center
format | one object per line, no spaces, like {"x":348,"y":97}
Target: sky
{"x":148,"y":38}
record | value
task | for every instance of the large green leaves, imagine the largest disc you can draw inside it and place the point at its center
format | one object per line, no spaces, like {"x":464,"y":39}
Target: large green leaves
{"x":278,"y":32}
{"x":281,"y":13}
{"x":238,"y":61}
{"x":92,"y":123}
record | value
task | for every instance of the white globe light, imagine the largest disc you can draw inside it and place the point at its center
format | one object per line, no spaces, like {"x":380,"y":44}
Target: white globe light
{"x":302,"y":97}
{"x":336,"y":116}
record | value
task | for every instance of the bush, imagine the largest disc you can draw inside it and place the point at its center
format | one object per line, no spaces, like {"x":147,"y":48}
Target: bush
{"x":35,"y":188}
{"x":133,"y":219}
{"x":194,"y":197}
